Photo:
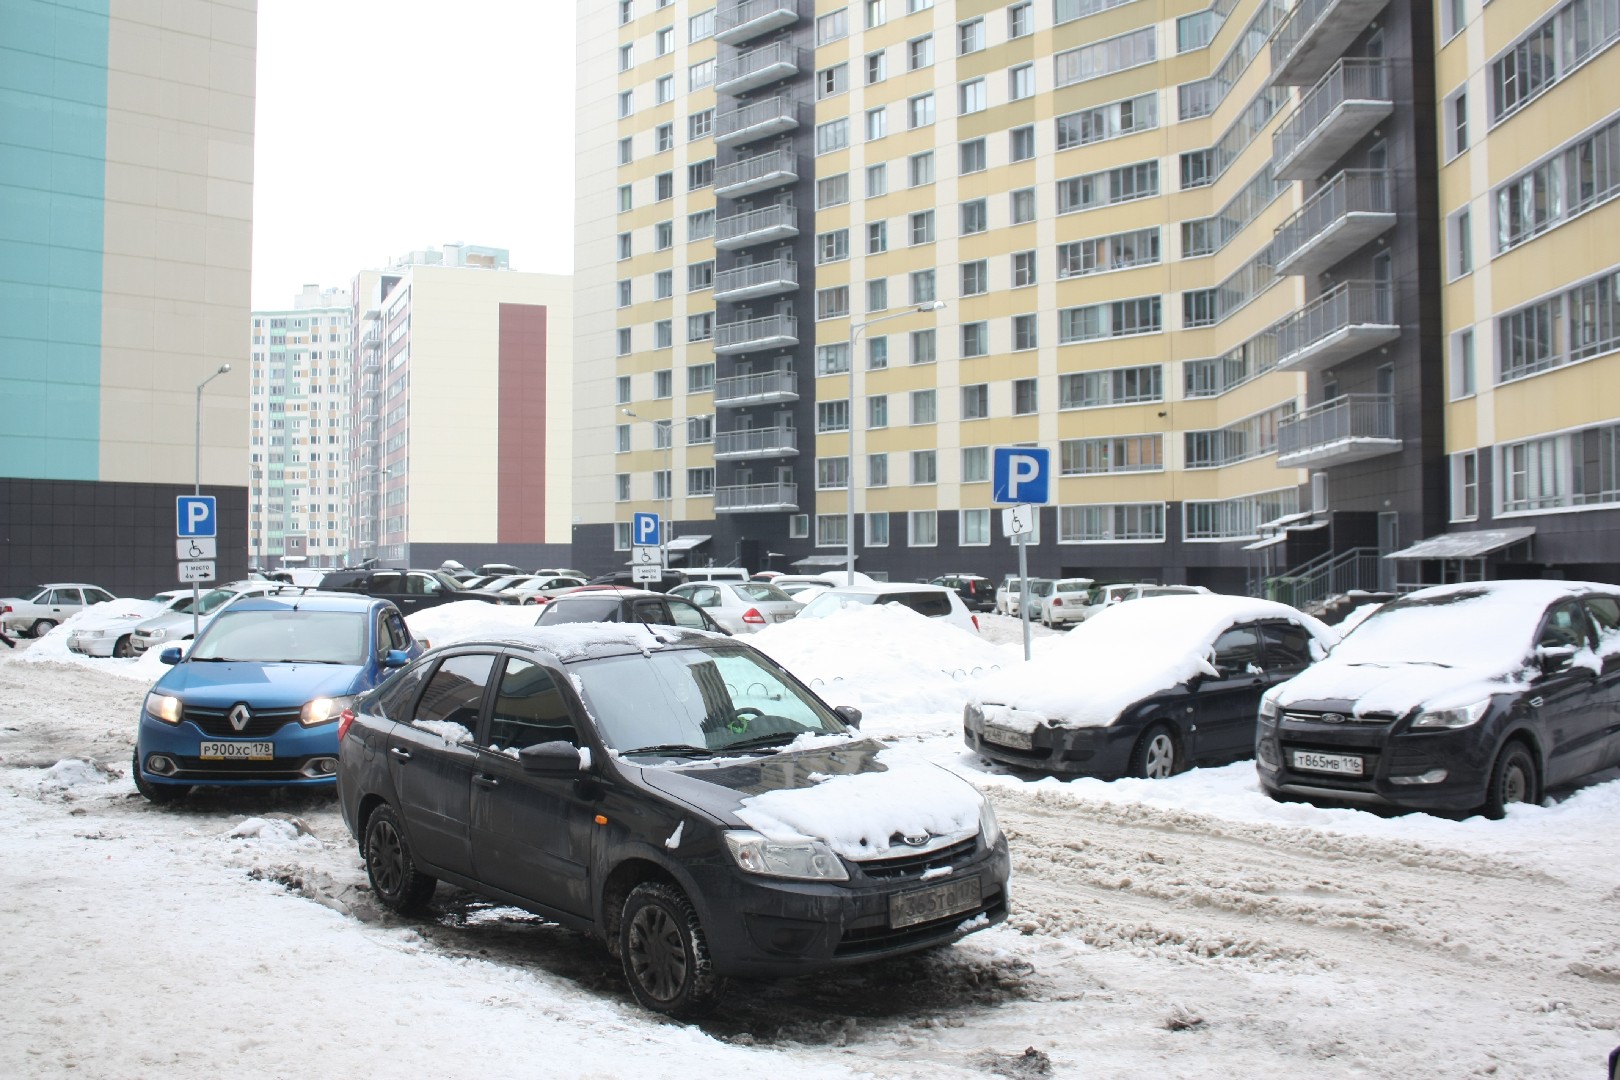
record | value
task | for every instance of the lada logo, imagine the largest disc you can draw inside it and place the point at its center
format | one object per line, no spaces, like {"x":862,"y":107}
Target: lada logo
{"x":916,"y":841}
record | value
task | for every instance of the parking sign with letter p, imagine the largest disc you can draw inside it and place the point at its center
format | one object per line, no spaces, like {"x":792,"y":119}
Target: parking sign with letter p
{"x":1020,"y":474}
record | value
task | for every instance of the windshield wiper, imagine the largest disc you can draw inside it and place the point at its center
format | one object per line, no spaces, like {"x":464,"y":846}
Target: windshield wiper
{"x":1390,"y":663}
{"x":673,"y":750}
{"x":304,"y":660}
{"x":759,"y":742}
{"x":215,"y":659}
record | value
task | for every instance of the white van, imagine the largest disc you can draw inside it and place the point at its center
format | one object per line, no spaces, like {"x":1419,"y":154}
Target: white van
{"x":714,"y":573}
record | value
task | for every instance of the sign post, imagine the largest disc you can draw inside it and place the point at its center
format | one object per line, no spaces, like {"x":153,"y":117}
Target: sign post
{"x":196,"y":528}
{"x":1020,"y":476}
{"x":647,"y":557}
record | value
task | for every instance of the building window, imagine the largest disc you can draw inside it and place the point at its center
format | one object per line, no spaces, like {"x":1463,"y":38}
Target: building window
{"x":1124,"y":184}
{"x":621,"y":436}
{"x":920,"y":168}
{"x":876,"y":13}
{"x":622,"y":390}
{"x":832,"y":26}
{"x":832,"y":81}
{"x":1119,"y":251}
{"x":664,"y":186}
{"x":626,"y":200}
{"x":832,"y":246}
{"x":1025,"y":335}
{"x":832,"y":190}
{"x":832,"y":473}
{"x":922,"y":228}
{"x":663,"y":387}
{"x":969,"y":36}
{"x":877,"y":411}
{"x":627,"y":57}
{"x":1116,"y":454}
{"x":663,"y":41}
{"x":830,"y":530}
{"x":1021,"y":143}
{"x":970,"y":157}
{"x":664,"y":137}
{"x":1457,"y":111}
{"x":663,"y":284}
{"x":831,"y":136}
{"x":1026,"y":399}
{"x":1023,"y":268}
{"x":920,"y":111}
{"x":621,"y":535}
{"x":626,"y":154}
{"x":832,"y":359}
{"x":700,"y":379}
{"x":664,"y":89}
{"x":924,"y":528}
{"x":1570,"y":182}
{"x":1549,"y":52}
{"x":877,"y":180}
{"x":970,"y":97}
{"x":922,"y":287}
{"x":877,"y":353}
{"x":1462,"y":365}
{"x":877,"y":294}
{"x":976,"y":401}
{"x":924,"y":409}
{"x":798,"y":526}
{"x":1020,"y":19}
{"x":832,"y":416}
{"x":700,"y":327}
{"x":975,"y":217}
{"x":877,"y":470}
{"x":622,"y":338}
{"x":700,"y":482}
{"x":1121,"y":318}
{"x":919,"y":52}
{"x":975,"y":464}
{"x":699,"y":174}
{"x":1022,"y":205}
{"x":924,"y":348}
{"x":700,"y":26}
{"x":700,"y":276}
{"x":664,"y":235}
{"x":1465,"y":486}
{"x":923,"y":468}
{"x":627,"y":103}
{"x":1115,"y":386}
{"x":624,"y":293}
{"x":877,"y":530}
{"x":700,"y":225}
{"x":975,"y":277}
{"x":1110,"y":122}
{"x":877,"y":237}
{"x":663,"y":334}
{"x":1460,"y":229}
{"x":1106,"y":57}
{"x":627,"y":11}
{"x":1021,"y":82}
{"x":975,"y":528}
{"x":1110,"y":523}
{"x":877,"y":67}
{"x":699,"y":124}
{"x":832,"y":303}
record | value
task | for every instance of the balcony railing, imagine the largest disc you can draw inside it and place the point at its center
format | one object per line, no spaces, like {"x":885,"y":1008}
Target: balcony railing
{"x":1349,"y":211}
{"x":1342,"y":323}
{"x":759,"y":388}
{"x":737,"y":23}
{"x":759,"y":67}
{"x":756,"y":443}
{"x":758,"y":120}
{"x":1349,"y":428}
{"x":767,"y":224}
{"x":743,"y":497}
{"x":761,"y":173}
{"x":371,"y":341}
{"x":1351,"y":100}
{"x":1314,"y":35}
{"x":770,"y":332}
{"x":757,"y":279}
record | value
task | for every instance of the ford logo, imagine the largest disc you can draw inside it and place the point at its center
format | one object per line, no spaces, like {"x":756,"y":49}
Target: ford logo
{"x":1334,"y":718}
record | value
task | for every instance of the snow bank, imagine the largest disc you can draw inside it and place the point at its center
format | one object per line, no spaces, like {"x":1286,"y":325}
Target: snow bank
{"x":464,"y":620}
{"x":53,"y":647}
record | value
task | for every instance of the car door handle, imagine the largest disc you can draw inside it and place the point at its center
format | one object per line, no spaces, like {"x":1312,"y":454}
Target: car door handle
{"x":486,"y":781}
{"x":401,"y":754}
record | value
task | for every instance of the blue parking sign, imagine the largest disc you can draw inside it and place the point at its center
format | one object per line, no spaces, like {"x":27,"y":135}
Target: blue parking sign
{"x":194,"y":516}
{"x":1020,"y":474}
{"x":644,"y":530}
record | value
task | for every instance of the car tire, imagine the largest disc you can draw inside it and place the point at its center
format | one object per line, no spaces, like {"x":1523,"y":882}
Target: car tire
{"x":123,"y":649}
{"x":157,"y":794}
{"x":1157,"y":754}
{"x":391,"y":868}
{"x":1514,"y":779}
{"x":666,"y":954}
{"x":42,"y":627}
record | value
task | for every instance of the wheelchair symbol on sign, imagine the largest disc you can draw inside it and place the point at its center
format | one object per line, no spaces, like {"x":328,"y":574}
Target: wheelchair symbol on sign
{"x":196,"y":551}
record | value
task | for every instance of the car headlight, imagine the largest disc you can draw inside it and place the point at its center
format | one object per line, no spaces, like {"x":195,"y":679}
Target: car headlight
{"x":321,"y":710}
{"x":157,"y":635}
{"x":164,"y":707}
{"x":1268,"y":708}
{"x":989,"y":827}
{"x":1464,"y":716}
{"x":807,"y":860}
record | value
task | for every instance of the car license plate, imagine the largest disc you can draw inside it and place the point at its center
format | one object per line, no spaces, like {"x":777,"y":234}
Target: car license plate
{"x":934,"y":902}
{"x":1343,"y":764}
{"x":237,"y":751}
{"x":1009,"y":737}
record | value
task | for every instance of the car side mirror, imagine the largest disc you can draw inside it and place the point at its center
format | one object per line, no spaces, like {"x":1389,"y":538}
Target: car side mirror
{"x":1555,"y":658}
{"x":170,"y":656}
{"x":557,"y":758}
{"x":396,"y":658}
{"x":850,"y":715}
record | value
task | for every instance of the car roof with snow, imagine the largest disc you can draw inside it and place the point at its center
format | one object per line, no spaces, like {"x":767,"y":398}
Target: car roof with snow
{"x":568,"y":642}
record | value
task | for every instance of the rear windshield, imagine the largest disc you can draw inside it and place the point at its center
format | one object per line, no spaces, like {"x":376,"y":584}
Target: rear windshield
{"x":758,"y":590}
{"x":931,"y":604}
{"x":588,"y":609}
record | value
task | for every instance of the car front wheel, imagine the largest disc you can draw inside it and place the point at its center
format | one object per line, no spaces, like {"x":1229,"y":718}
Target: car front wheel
{"x":665,"y":953}
{"x":1514,"y":779}
{"x":123,"y":649}
{"x":1156,"y":754}
{"x":42,"y":627}
{"x":390,"y":866}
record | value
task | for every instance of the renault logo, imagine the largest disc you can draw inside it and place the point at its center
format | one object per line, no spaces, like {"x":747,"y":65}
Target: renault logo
{"x":239,"y":717}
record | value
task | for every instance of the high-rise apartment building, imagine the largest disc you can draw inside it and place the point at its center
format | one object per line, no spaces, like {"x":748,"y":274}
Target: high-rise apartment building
{"x":1194,"y":250}
{"x":126,"y":203}
{"x":298,"y":457}
{"x":462,"y":401}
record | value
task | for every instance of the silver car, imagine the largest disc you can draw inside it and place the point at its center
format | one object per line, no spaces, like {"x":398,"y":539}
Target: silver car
{"x":111,"y":636}
{"x":742,"y":607}
{"x":48,"y":606}
{"x":170,"y":627}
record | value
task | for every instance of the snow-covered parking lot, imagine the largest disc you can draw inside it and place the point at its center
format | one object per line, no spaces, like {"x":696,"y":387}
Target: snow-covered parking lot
{"x":1179,"y":928}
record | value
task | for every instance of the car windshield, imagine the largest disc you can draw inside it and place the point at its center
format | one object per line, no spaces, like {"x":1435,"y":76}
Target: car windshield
{"x":1462,"y":628}
{"x":212,"y":599}
{"x":285,"y":634}
{"x":698,"y":701}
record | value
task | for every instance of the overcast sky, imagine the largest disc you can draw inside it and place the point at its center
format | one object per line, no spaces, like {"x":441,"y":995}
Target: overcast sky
{"x":390,"y":125}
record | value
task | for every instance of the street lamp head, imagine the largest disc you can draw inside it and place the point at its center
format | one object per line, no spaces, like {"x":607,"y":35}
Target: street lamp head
{"x":933,"y":305}
{"x":223,"y":368}
{"x":630,"y":412}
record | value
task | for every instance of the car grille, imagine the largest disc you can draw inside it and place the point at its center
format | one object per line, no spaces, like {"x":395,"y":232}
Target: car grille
{"x":917,"y":862}
{"x":866,"y":939}
{"x":263,"y":722}
{"x":199,"y":771}
{"x":1293,"y":716}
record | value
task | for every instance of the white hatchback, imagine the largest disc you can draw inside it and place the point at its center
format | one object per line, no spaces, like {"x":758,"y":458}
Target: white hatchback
{"x":935,"y":601}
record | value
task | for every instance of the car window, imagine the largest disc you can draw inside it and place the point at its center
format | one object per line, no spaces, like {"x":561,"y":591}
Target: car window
{"x":396,"y":698}
{"x":96,"y":596}
{"x":933,"y":605}
{"x":703,"y":595}
{"x":684,"y":614}
{"x":1605,"y":612}
{"x":649,"y":609}
{"x":1288,"y":647}
{"x":455,"y":691}
{"x":1565,"y":625}
{"x":67,"y":596}
{"x":529,"y":709}
{"x":422,"y":585}
{"x":1237,"y":650}
{"x":584,"y":609}
{"x":387,"y":583}
{"x":755,"y":590}
{"x":285,"y":635}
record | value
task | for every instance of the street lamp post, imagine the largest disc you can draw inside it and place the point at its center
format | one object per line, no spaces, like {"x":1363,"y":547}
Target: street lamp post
{"x":197,"y":478}
{"x":666,"y":533}
{"x":855,"y":329}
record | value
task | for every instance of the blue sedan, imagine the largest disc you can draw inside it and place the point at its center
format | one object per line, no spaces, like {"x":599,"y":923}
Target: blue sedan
{"x":258,"y":698}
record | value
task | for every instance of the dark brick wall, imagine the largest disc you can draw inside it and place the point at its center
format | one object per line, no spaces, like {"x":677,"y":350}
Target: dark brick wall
{"x":118,"y":536}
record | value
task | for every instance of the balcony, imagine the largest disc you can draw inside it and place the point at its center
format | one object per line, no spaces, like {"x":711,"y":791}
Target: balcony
{"x":745,"y":21}
{"x":759,"y":388}
{"x":741,"y":498}
{"x":1350,"y":211}
{"x":756,"y":443}
{"x":759,"y":67}
{"x":758,"y":279}
{"x":1353,"y":427}
{"x":761,"y":173}
{"x":768,"y":224}
{"x":1342,"y":323}
{"x":758,"y":120}
{"x":372,"y":340}
{"x":1351,"y":100}
{"x":750,"y":335}
{"x":1314,"y":35}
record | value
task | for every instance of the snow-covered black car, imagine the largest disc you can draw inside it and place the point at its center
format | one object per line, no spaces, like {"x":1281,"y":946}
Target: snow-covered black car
{"x":1455,"y":698}
{"x":676,"y":794}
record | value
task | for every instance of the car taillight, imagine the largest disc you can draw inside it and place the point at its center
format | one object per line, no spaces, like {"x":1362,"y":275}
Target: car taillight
{"x":538,"y":599}
{"x":1057,"y":601}
{"x":752,"y":615}
{"x":975,"y":619}
{"x":344,"y":723}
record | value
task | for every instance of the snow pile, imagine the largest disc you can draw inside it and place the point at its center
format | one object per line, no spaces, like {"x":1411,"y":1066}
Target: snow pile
{"x":857,"y":815}
{"x":72,"y":777}
{"x":53,"y":647}
{"x":1127,"y":652}
{"x":884,"y":658}
{"x":464,"y":620}
{"x":273,"y":832}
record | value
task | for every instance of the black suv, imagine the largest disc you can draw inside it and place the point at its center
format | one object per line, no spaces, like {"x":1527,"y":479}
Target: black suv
{"x":598,"y":604}
{"x":977,"y":593}
{"x":410,"y":590}
{"x":679,"y":796}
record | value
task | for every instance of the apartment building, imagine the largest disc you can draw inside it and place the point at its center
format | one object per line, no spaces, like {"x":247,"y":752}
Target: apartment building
{"x":298,"y":457}
{"x":126,"y":205}
{"x":1530,"y":143}
{"x":462,"y":401}
{"x":839,"y":251}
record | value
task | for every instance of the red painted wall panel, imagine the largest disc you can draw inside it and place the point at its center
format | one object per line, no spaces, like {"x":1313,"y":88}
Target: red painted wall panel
{"x":521,"y":514}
